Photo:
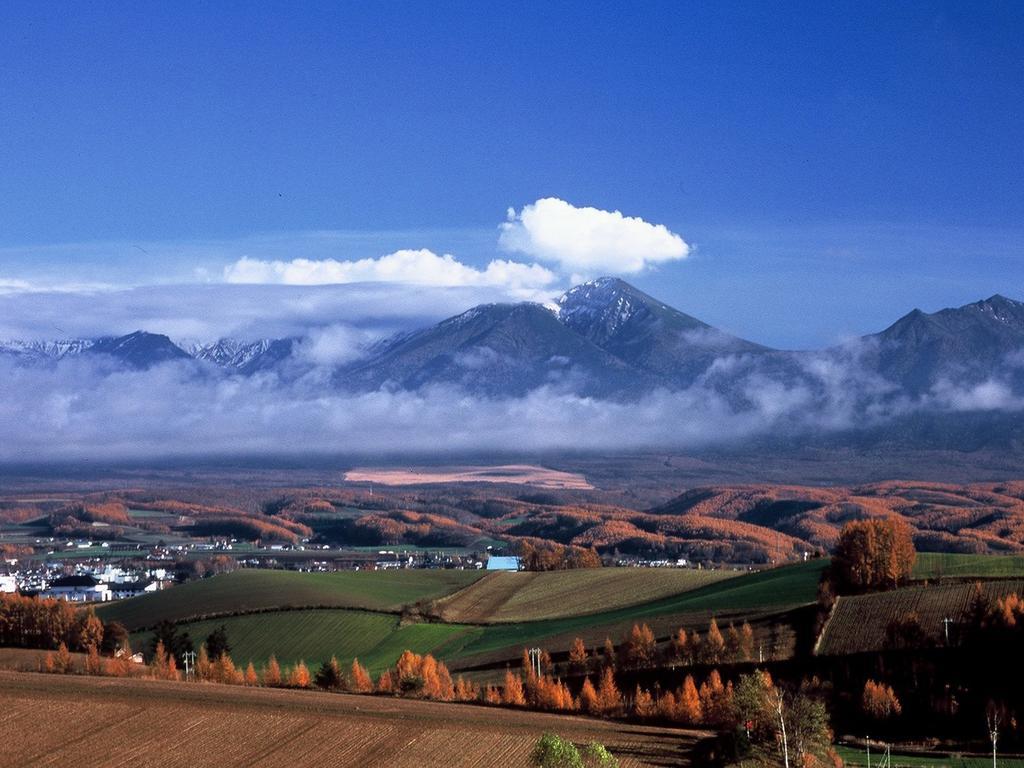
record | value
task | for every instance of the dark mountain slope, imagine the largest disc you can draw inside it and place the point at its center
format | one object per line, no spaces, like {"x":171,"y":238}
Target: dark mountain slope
{"x":139,"y":350}
{"x":496,"y":350}
{"x":968,"y":344}
{"x":645,"y":333}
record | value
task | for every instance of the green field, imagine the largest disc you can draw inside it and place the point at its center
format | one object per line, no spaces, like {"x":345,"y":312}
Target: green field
{"x":858,"y":757}
{"x":934,"y":565}
{"x":777,"y":588}
{"x":255,"y":590}
{"x":532,"y":596}
{"x":377,"y":639}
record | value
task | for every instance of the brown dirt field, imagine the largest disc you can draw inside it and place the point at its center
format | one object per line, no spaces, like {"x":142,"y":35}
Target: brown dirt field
{"x":513,"y":597}
{"x":517,"y":474}
{"x":52,"y":720}
{"x":29,"y":659}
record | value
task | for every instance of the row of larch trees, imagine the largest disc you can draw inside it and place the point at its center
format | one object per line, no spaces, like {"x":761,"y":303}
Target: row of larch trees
{"x":639,"y":649}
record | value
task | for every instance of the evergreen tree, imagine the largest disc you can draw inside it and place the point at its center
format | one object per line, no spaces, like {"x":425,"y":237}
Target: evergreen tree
{"x":217,"y":643}
{"x":328,"y":676}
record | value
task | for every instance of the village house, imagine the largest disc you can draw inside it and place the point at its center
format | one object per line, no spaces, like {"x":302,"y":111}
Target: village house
{"x":78,"y":589}
{"x":125,"y":589}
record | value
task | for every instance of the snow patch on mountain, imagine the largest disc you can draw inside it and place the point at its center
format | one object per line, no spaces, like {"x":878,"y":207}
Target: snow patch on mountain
{"x":228,"y":353}
{"x":52,"y":349}
{"x":604,"y":301}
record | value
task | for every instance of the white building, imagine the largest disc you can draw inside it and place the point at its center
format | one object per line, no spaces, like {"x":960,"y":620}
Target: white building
{"x":78,"y":589}
{"x":125,"y":589}
{"x":8,"y":584}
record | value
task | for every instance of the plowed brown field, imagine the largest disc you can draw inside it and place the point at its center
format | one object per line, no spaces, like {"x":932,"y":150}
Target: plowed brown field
{"x":81,"y":721}
{"x":518,"y":474}
{"x":858,"y":624}
{"x":531,"y":596}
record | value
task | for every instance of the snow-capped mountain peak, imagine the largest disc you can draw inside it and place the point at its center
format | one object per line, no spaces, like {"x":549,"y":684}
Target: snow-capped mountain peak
{"x":229,"y":353}
{"x":607,"y":301}
{"x":51,"y":349}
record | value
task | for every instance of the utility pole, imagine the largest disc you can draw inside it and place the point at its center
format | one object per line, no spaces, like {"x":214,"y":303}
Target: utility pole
{"x":190,"y":664}
{"x":867,"y":741}
{"x":945,"y":623}
{"x":535,"y":660}
{"x":993,"y":732}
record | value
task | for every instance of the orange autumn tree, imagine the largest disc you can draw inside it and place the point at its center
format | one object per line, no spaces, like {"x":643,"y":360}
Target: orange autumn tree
{"x":609,"y":700}
{"x":299,"y":676}
{"x":437,"y":682}
{"x":716,"y":701}
{"x":688,"y":708}
{"x":578,"y":655}
{"x":408,"y":672}
{"x":746,"y":642}
{"x":491,"y":695}
{"x":204,"y":669}
{"x":360,"y":678}
{"x":643,"y":704}
{"x":272,"y":672}
{"x":512,"y":693}
{"x":732,"y":643}
{"x":880,"y":701}
{"x":876,"y":553}
{"x":251,"y":678}
{"x":639,"y":648}
{"x":529,"y":674}
{"x":163,"y":666}
{"x":553,"y":694}
{"x":224,"y":671}
{"x":465,"y":690}
{"x":680,"y":648}
{"x":386,"y":682}
{"x":93,"y":662}
{"x":696,"y":646}
{"x":119,"y":665}
{"x":588,"y":698}
{"x":713,"y":648}
{"x":87,"y":630}
{"x":609,"y":653}
{"x":425,"y":676}
{"x":666,"y":705}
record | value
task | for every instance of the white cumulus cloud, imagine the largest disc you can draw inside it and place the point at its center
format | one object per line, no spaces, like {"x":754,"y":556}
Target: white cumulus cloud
{"x":589,"y":240}
{"x":412,"y":267}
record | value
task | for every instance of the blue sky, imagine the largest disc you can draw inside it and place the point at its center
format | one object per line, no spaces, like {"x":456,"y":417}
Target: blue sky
{"x":829,"y":166}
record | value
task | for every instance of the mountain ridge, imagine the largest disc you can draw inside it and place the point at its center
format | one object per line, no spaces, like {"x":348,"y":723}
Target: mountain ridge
{"x":603,"y":338}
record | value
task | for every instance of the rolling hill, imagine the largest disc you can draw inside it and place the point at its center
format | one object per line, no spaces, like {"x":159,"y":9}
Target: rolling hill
{"x":509,"y":597}
{"x":248,"y":591}
{"x":263,"y":625}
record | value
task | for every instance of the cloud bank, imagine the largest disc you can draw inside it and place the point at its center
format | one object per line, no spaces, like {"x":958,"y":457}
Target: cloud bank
{"x":86,"y":408}
{"x":79,"y":409}
{"x":411,"y":267}
{"x":589,"y":241}
{"x":245,"y":312}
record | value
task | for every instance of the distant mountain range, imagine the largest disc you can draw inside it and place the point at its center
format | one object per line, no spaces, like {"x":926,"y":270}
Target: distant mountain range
{"x":604,"y":334}
{"x":607,"y":339}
